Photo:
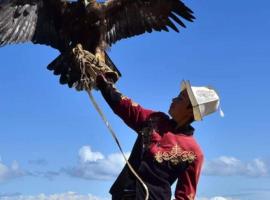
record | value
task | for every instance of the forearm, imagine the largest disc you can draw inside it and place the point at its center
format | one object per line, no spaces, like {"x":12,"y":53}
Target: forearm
{"x":132,"y":114}
{"x":111,"y":95}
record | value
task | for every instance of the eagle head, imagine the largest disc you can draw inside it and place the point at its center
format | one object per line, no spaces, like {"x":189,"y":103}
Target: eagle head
{"x":87,"y":2}
{"x":84,"y":2}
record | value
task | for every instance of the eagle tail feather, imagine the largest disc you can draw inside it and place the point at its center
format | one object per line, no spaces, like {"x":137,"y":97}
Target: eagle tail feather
{"x":62,"y":65}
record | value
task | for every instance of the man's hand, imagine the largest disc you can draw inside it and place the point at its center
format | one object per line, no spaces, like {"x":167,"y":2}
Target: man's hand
{"x":106,"y":78}
{"x":111,"y":76}
{"x":105,"y":83}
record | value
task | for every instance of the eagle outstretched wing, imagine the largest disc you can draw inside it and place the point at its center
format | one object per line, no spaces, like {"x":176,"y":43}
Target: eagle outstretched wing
{"x":32,"y":20}
{"x":64,"y":25}
{"x":127,"y":18}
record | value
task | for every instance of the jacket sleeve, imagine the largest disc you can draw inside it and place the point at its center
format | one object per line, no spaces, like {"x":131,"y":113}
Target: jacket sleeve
{"x":188,"y":180}
{"x":130,"y":112}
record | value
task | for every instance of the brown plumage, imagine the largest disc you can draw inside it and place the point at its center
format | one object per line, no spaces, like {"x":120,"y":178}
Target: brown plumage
{"x":95,"y":25}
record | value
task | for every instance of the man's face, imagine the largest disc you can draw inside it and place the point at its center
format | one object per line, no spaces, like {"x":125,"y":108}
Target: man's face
{"x":181,"y":109}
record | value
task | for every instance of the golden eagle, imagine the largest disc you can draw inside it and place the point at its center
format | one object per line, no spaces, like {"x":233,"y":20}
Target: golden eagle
{"x":94,"y":25}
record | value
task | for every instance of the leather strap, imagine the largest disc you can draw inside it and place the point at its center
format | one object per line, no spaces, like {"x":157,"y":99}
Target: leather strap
{"x":104,"y":119}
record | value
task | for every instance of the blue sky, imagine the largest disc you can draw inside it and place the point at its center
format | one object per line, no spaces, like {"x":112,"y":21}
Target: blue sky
{"x":54,"y":144}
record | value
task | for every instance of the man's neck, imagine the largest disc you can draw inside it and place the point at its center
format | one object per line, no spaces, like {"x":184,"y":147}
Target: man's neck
{"x":186,"y":129}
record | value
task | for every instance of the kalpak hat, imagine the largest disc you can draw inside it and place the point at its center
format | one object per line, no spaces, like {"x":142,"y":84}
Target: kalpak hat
{"x":204,"y":100}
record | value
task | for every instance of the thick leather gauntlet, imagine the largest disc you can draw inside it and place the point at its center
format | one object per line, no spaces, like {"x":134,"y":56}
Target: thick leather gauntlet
{"x":108,"y":91}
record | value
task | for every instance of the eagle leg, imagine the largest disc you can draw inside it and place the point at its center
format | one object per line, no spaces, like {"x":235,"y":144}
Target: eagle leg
{"x":100,"y":55}
{"x":79,"y":68}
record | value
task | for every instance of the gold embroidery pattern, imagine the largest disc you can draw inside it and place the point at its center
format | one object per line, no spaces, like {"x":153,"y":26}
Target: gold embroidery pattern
{"x":175,"y":156}
{"x":124,"y":97}
{"x":132,"y":102}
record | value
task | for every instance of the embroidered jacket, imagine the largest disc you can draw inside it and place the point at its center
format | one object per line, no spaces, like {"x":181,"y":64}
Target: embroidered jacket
{"x":161,"y":155}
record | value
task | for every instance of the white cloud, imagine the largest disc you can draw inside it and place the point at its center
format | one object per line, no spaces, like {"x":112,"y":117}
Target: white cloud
{"x":94,"y":165}
{"x":47,"y":174}
{"x":76,"y":196}
{"x":61,"y":196}
{"x":248,"y":194}
{"x":216,"y":198}
{"x":87,"y":155}
{"x":7,"y":173}
{"x":257,"y":168}
{"x":229,"y":166}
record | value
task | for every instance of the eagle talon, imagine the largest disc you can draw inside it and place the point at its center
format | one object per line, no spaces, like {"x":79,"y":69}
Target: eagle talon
{"x":98,"y":60}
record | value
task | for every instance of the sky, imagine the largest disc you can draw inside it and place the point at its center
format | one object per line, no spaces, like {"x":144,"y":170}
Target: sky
{"x":54,"y":145}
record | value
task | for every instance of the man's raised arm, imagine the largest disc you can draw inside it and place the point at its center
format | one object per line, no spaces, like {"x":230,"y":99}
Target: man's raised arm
{"x":132,"y":113}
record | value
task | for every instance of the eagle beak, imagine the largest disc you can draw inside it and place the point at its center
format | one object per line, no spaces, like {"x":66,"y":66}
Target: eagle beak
{"x":86,"y":2}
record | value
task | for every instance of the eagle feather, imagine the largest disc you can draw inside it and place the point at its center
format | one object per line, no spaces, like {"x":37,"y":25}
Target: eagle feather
{"x":94,"y":25}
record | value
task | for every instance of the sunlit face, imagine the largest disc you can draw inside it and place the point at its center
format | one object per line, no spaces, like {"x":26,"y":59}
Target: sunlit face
{"x":181,"y":109}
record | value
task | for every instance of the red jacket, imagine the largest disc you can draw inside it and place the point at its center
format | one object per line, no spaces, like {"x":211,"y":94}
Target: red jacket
{"x":167,"y":145}
{"x":162,"y":153}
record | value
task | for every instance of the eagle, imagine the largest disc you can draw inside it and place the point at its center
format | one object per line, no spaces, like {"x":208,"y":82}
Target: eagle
{"x":88,"y":26}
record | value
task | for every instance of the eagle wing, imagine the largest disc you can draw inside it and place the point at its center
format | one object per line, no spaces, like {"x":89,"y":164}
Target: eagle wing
{"x":127,"y":18}
{"x":32,"y":20}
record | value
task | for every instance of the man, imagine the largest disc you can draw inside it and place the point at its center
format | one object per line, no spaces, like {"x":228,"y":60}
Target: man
{"x":165,"y":150}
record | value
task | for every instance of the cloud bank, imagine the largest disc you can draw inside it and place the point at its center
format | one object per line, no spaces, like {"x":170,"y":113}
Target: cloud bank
{"x":94,"y":165}
{"x":217,"y":198}
{"x":76,"y":196}
{"x":61,"y":196}
{"x":8,"y":173}
{"x":230,"y":166}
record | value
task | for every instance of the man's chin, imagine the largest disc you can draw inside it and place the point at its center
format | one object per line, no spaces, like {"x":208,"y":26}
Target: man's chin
{"x":181,"y":122}
{"x":170,"y":111}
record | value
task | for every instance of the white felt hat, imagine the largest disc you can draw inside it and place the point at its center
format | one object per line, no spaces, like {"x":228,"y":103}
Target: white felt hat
{"x":204,"y":100}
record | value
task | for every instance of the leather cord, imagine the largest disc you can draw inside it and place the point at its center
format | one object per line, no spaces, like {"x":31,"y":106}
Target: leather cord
{"x":104,"y":119}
